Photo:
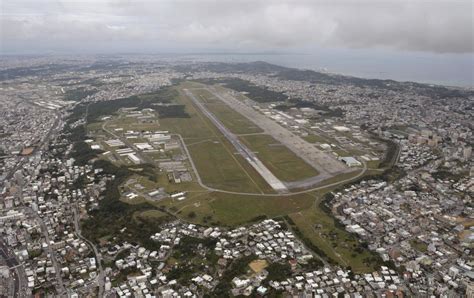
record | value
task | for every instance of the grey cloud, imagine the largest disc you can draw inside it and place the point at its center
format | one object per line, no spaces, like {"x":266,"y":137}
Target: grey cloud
{"x":417,"y":25}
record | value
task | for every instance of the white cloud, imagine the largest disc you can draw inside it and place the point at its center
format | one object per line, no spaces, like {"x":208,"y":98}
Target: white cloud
{"x":431,"y":26}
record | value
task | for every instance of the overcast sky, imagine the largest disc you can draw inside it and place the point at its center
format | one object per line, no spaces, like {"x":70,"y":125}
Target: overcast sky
{"x":434,"y":26}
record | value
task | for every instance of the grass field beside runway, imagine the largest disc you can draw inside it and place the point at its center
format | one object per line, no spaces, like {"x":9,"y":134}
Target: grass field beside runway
{"x":233,"y":120}
{"x":215,"y":158}
{"x":314,"y":138}
{"x":218,"y":169}
{"x":280,"y":160}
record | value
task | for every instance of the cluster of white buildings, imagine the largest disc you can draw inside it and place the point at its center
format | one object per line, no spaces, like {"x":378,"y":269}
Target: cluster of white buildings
{"x":417,"y":227}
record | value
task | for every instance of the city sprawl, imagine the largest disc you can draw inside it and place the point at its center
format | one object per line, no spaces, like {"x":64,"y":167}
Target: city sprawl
{"x":157,"y":176}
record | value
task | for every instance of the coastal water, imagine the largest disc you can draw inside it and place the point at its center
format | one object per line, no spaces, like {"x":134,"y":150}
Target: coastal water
{"x":441,"y":69}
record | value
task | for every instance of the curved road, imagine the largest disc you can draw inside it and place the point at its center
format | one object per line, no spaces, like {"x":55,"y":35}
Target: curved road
{"x":101,"y":276}
{"x":364,"y":169}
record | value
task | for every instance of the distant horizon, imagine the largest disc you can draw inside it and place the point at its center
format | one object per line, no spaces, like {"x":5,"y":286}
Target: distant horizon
{"x":435,"y":69}
{"x":421,"y":41}
{"x":225,"y":148}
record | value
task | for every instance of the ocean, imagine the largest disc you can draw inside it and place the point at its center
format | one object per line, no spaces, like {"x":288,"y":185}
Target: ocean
{"x":440,"y":69}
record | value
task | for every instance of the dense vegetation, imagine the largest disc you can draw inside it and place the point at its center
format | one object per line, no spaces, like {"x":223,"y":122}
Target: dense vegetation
{"x":446,"y":174}
{"x":113,"y":214}
{"x":78,"y":94}
{"x":307,"y":242}
{"x":193,"y":255}
{"x":41,"y":70}
{"x":325,"y":205}
{"x":171,"y":111}
{"x":188,"y":246}
{"x":278,"y":271}
{"x":298,"y":103}
{"x":237,"y":268}
{"x":159,"y":101}
{"x":391,"y":153}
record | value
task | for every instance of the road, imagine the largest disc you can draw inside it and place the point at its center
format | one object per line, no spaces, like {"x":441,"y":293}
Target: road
{"x":24,"y":159}
{"x":244,"y":151}
{"x":198,"y":177}
{"x":98,"y":257}
{"x":364,"y":169}
{"x":20,"y":285}
{"x":325,"y":262}
{"x":60,"y":289}
{"x":199,"y":180}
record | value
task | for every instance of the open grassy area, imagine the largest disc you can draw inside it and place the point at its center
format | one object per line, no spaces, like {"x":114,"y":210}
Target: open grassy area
{"x":135,"y":201}
{"x":141,"y":184}
{"x":336,"y":243}
{"x":419,"y":245}
{"x":373,"y":164}
{"x":315,"y":139}
{"x":321,"y":229}
{"x":214,"y":157}
{"x":151,"y":214}
{"x":280,"y":160}
{"x":233,"y":120}
{"x":192,"y":128}
{"x":219,"y":169}
{"x":233,"y":210}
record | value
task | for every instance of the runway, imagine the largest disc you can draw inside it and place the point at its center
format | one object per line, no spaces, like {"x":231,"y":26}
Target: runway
{"x":326,"y":164}
{"x":243,"y":150}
